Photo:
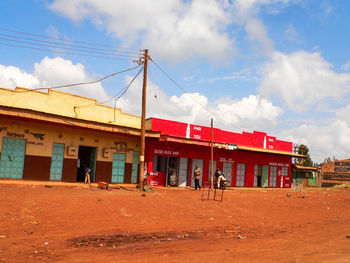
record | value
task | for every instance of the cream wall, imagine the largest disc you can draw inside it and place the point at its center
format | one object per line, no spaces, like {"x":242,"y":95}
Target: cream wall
{"x":65,"y":104}
{"x":68,"y":136}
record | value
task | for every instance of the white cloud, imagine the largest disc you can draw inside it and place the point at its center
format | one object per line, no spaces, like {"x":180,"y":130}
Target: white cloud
{"x":11,"y":76}
{"x":247,"y":13}
{"x":52,"y":72}
{"x":346,"y":67}
{"x":256,"y":32}
{"x":245,"y":75}
{"x":343,"y":114}
{"x":291,"y":34}
{"x":252,"y":7}
{"x":250,"y":113}
{"x":176,"y":30}
{"x":322,"y":141}
{"x":302,"y":80}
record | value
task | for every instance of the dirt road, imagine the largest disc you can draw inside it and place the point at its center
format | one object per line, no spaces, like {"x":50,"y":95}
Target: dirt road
{"x":70,"y":223}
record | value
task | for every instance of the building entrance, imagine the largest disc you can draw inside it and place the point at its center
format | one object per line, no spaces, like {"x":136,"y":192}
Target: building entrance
{"x":173,"y":171}
{"x":261,"y":175}
{"x":86,"y":159}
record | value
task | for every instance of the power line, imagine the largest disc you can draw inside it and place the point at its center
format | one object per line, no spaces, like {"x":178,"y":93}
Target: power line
{"x":109,"y":51}
{"x":64,"y":52}
{"x":177,"y":85}
{"x":66,"y":48}
{"x":84,"y":83}
{"x":123,"y":91}
{"x":66,"y":40}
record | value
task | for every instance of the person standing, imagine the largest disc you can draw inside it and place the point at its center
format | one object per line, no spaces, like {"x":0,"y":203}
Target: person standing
{"x":197,"y":176}
{"x":87,"y":175}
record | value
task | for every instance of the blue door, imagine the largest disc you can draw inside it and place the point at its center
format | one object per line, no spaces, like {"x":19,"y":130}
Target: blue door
{"x":12,"y":158}
{"x":135,"y":165}
{"x":118,"y":168}
{"x":57,"y":162}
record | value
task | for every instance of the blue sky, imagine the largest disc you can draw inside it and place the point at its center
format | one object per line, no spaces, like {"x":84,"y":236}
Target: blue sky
{"x":279,"y":66}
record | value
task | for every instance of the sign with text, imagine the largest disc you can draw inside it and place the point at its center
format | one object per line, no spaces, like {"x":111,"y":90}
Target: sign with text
{"x":166,"y":152}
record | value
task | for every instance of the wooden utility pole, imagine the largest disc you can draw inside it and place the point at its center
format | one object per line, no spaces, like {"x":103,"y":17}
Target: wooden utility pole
{"x":143,"y":122}
{"x":212,"y":157}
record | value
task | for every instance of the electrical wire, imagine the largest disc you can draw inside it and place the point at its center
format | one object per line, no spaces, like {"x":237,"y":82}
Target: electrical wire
{"x":83,"y":83}
{"x":115,"y":102}
{"x":64,"y":52}
{"x":67,"y":48}
{"x":122,"y":90}
{"x":181,"y":88}
{"x":70,"y":45}
{"x":65,"y":40}
{"x":126,"y":89}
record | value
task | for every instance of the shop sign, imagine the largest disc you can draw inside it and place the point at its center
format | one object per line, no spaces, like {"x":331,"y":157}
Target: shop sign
{"x":279,"y":164}
{"x":121,"y":147}
{"x":163,"y":152}
{"x":197,"y":132}
{"x":15,"y":135}
{"x":230,"y":160}
{"x":222,"y":160}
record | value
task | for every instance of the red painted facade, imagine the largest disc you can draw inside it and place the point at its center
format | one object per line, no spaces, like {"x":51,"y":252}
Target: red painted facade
{"x":202,"y":133}
{"x":191,"y":144}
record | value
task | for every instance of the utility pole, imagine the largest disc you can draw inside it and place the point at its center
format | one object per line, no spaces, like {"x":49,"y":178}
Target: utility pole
{"x":143,"y":122}
{"x":212,"y":157}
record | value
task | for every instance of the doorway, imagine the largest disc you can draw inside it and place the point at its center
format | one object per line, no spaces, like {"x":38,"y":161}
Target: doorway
{"x":173,"y":171}
{"x":57,"y":162}
{"x":86,"y":159}
{"x":183,"y":172}
{"x":227,"y":170}
{"x":12,"y":158}
{"x":261,"y":175}
{"x":240,"y":178}
{"x":199,"y":164}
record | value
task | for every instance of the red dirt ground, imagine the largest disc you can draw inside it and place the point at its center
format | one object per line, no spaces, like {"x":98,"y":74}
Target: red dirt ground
{"x":70,"y":223}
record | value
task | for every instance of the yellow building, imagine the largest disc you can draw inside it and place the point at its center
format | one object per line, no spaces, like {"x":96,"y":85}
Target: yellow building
{"x":56,"y":136}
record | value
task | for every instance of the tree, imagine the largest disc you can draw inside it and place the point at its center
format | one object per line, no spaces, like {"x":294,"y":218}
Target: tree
{"x":304,"y":150}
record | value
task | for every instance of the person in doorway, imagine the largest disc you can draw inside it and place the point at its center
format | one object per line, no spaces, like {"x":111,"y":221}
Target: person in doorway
{"x":220,"y":177}
{"x":197,"y":176}
{"x":87,"y":175}
{"x":173,"y":178}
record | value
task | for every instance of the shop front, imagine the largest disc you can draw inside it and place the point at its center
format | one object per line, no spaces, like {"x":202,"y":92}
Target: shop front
{"x":41,"y":142}
{"x":257,"y":161}
{"x":172,"y":167}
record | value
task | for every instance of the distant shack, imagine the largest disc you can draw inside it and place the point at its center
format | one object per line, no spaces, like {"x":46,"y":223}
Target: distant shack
{"x":335,"y":173}
{"x":306,"y":176}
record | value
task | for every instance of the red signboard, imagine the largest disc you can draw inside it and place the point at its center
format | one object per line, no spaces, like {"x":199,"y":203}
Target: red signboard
{"x":202,"y":133}
{"x":156,"y":179}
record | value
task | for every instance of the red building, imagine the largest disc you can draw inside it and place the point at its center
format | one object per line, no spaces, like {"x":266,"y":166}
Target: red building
{"x":247,"y":159}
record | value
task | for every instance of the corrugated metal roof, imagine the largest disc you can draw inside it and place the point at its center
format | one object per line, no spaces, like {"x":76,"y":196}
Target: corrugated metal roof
{"x":300,"y":167}
{"x":246,"y":148}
